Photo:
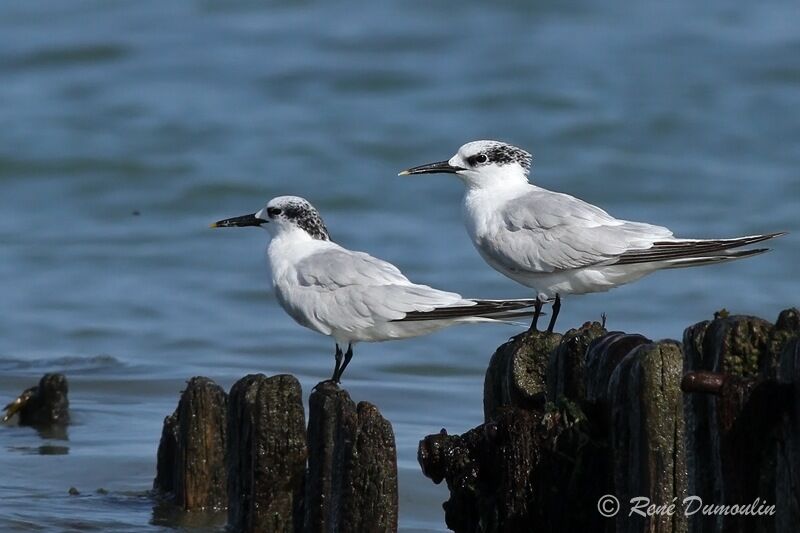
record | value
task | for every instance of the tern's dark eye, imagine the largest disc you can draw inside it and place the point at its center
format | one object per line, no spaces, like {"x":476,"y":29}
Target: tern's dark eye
{"x":274,"y":211}
{"x":477,"y":159}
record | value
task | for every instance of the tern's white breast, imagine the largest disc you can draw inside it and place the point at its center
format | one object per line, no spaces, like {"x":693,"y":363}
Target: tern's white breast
{"x":284,"y":253}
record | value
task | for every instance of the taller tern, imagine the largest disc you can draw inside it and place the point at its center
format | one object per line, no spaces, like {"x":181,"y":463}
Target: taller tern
{"x":352,"y":296}
{"x":556,"y":243}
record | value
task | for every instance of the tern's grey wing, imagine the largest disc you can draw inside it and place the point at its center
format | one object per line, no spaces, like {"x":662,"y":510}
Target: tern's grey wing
{"x":545,"y":231}
{"x":340,"y":290}
{"x":338,"y":267}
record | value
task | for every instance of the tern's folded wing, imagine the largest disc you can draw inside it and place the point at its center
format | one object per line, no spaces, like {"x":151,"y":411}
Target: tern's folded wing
{"x":545,"y":231}
{"x":338,"y":267}
{"x":342,"y":290}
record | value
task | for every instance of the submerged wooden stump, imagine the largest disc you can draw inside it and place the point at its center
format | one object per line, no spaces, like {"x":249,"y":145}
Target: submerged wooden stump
{"x":45,"y":404}
{"x":191,"y":454}
{"x":352,"y":470}
{"x":266,"y":455}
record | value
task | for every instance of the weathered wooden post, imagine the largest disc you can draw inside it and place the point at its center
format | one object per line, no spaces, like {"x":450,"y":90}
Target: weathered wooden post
{"x":517,"y":373}
{"x":191,"y":453}
{"x":45,"y":404}
{"x":266,"y":454}
{"x":733,"y":431}
{"x":532,"y":463}
{"x":787,"y":490}
{"x":352,"y":468}
{"x":248,"y":452}
{"x":647,"y":437}
{"x":566,"y":372}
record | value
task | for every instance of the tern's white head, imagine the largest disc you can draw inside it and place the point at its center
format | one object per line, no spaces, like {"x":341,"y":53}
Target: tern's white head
{"x":482,"y":163}
{"x":283,"y":214}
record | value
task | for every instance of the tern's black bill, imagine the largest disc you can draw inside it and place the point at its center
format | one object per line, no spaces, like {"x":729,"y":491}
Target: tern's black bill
{"x":441,"y":167}
{"x":239,"y":222}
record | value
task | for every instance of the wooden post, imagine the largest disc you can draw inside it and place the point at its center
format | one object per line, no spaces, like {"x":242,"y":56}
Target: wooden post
{"x":191,"y":455}
{"x":266,"y":454}
{"x":566,"y":372}
{"x":647,"y":436}
{"x":43,"y":405}
{"x":517,"y":372}
{"x":733,"y":433}
{"x":352,"y":469}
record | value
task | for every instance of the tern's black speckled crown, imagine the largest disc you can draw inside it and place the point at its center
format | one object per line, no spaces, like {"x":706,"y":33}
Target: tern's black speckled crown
{"x":306,"y":217}
{"x":503,"y":154}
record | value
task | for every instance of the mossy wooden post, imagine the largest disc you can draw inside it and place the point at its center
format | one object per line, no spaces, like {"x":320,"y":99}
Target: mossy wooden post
{"x":517,"y":372}
{"x":352,"y":468}
{"x":566,"y":372}
{"x":602,"y":358}
{"x":532,"y":464}
{"x":647,"y":436}
{"x":733,"y":411}
{"x":191,"y":455}
{"x":266,"y":454}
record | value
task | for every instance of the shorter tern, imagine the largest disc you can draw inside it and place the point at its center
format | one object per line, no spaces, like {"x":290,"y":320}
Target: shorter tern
{"x":352,"y":296}
{"x":557,"y":244}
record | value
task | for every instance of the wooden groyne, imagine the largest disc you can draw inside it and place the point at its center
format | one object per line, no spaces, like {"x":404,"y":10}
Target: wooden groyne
{"x":249,"y":452}
{"x":570,"y":419}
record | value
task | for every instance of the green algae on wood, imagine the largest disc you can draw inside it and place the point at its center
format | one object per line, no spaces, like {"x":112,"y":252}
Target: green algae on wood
{"x":517,"y":372}
{"x":647,"y":434}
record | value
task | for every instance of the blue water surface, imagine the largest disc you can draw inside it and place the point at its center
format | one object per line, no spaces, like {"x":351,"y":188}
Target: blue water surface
{"x":128,"y":126}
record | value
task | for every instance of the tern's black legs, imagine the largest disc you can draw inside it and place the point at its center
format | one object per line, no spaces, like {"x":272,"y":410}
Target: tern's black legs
{"x":537,"y":312}
{"x":556,"y":309}
{"x":339,"y":369}
{"x":347,"y":356}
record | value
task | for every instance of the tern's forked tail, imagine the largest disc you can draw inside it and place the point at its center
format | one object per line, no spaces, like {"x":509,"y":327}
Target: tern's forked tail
{"x":679,"y":253}
{"x":494,"y":309}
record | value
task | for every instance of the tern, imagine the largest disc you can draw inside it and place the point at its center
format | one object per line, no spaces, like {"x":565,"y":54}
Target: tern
{"x":353,"y":296}
{"x":557,"y":244}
